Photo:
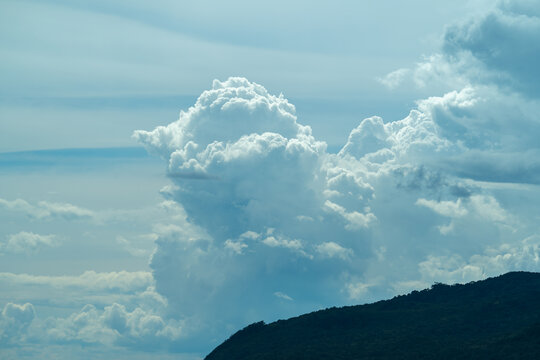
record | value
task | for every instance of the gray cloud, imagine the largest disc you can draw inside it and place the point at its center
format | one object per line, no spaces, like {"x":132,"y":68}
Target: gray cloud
{"x":506,"y":42}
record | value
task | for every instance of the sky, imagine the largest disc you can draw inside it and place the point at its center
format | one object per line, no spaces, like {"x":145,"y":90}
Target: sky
{"x":171,"y":172}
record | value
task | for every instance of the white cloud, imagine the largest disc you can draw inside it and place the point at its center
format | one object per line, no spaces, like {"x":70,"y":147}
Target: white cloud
{"x":452,"y":209}
{"x":489,"y":208}
{"x":265,"y":171}
{"x":483,"y":207}
{"x":114,"y":325}
{"x":283,"y":296}
{"x":435,"y":71}
{"x":226,"y":103}
{"x":413,"y":138}
{"x":130,"y":247}
{"x":355,"y":220}
{"x":520,"y":256}
{"x":357,"y":290}
{"x":236,"y":246}
{"x":58,"y":296}
{"x":394,"y":78}
{"x":136,"y":319}
{"x":405,"y":201}
{"x":14,"y":321}
{"x":331,"y":249}
{"x":266,"y":189}
{"x":122,"y":281}
{"x":47,"y":210}
{"x":26,"y":242}
{"x":370,"y":136}
{"x":280,"y":242}
{"x":251,"y":235}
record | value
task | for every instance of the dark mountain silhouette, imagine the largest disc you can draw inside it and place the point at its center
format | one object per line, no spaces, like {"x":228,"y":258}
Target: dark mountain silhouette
{"x":497,"y":318}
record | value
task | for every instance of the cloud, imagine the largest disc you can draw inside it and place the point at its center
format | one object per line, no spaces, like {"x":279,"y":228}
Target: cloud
{"x":226,"y":103}
{"x":331,"y":249}
{"x":117,"y":309}
{"x":405,"y":202}
{"x":445,"y":208}
{"x":44,"y":210}
{"x":238,"y":247}
{"x":59,"y":296}
{"x":266,"y":207}
{"x":482,"y":207}
{"x":248,"y":175}
{"x":495,"y":48}
{"x":114,"y":325}
{"x":26,"y":242}
{"x":355,"y":220}
{"x":14,"y":321}
{"x":130,"y":248}
{"x":505,"y":43}
{"x":283,"y":296}
{"x":357,"y":290}
{"x":260,"y":213}
{"x":415,"y":137}
{"x":289,"y":244}
{"x":121,"y":281}
{"x":520,"y":256}
{"x":394,"y":78}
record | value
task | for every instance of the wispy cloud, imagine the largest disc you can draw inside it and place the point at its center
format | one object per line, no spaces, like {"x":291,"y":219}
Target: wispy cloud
{"x":394,"y":79}
{"x":26,"y":242}
{"x":91,"y":280}
{"x":283,"y":296}
{"x":44,"y":210}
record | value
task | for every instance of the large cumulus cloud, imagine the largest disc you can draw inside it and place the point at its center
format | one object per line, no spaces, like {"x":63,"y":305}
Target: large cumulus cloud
{"x":269,"y":211}
{"x":266,"y":211}
{"x":273,"y":224}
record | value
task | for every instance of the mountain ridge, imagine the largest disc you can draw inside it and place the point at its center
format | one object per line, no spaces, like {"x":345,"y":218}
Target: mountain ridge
{"x":492,"y":318}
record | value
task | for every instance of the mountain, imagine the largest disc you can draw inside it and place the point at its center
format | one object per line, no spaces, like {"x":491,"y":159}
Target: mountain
{"x":497,"y":318}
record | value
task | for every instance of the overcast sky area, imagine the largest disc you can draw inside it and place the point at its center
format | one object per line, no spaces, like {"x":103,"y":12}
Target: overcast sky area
{"x":171,"y":172}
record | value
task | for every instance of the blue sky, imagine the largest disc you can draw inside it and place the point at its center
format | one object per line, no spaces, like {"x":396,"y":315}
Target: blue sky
{"x":171,"y":172}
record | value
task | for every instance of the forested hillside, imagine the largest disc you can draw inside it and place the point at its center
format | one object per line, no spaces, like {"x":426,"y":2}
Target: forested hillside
{"x":494,"y":318}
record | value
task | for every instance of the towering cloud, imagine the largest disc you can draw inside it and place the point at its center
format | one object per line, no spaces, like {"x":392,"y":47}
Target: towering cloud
{"x":445,"y":194}
{"x":269,"y":211}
